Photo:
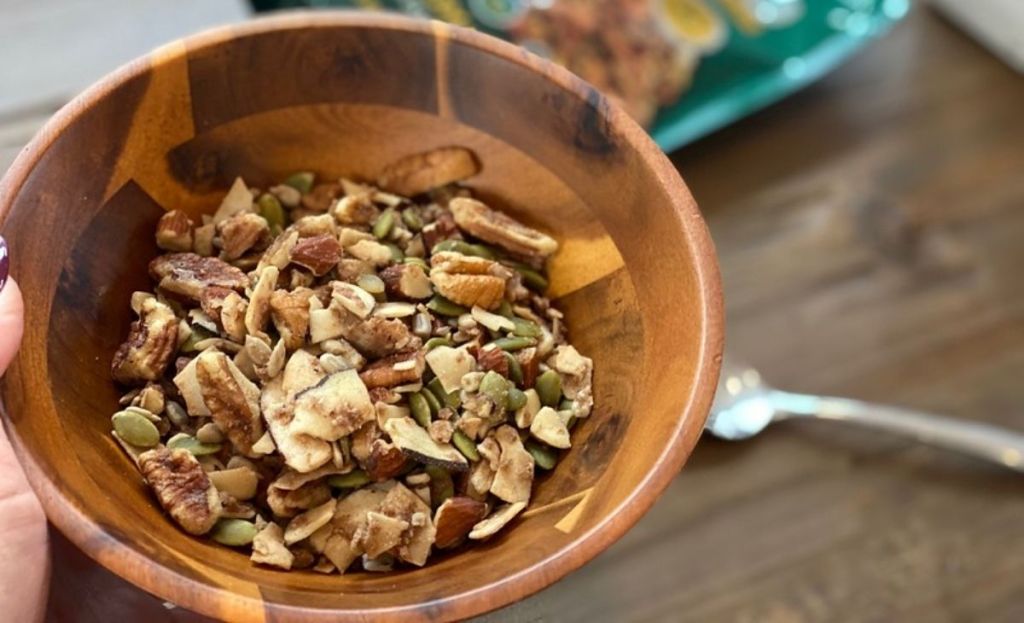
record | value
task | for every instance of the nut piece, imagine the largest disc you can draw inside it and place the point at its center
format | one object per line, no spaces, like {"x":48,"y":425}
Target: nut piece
{"x":385,"y":461}
{"x":174,"y":232}
{"x":232,"y":399}
{"x":240,"y":233}
{"x":407,"y":281}
{"x":514,"y":476}
{"x":258,"y":311}
{"x":468,"y":280}
{"x":321,"y":197}
{"x":418,"y":173}
{"x":151,"y":343}
{"x":379,"y":337}
{"x":268,"y":548}
{"x":450,"y":365}
{"x":500,"y":229}
{"x":455,"y":518}
{"x":549,"y":428}
{"x":577,"y":374}
{"x":498,"y":520}
{"x":279,"y":253}
{"x":319,"y":254}
{"x":183,"y":488}
{"x":398,"y":369}
{"x":290,"y":313}
{"x":188,"y":274}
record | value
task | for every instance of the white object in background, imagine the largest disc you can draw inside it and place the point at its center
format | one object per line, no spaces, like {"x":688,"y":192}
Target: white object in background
{"x":997,"y":24}
{"x":54,"y":48}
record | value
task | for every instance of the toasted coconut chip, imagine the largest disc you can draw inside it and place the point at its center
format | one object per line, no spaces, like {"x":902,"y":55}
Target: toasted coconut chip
{"x":237,"y":201}
{"x":380,"y":533}
{"x":549,"y":427}
{"x":268,"y":548}
{"x":309,"y":522}
{"x":514,"y":477}
{"x":498,"y":520}
{"x":401,"y":503}
{"x":450,"y":365}
{"x":577,"y":373}
{"x":301,"y":452}
{"x":353,"y":298}
{"x":417,"y":443}
{"x":334,"y":408}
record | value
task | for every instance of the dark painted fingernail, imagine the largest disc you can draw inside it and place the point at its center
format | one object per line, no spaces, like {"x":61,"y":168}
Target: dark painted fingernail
{"x":5,"y":263}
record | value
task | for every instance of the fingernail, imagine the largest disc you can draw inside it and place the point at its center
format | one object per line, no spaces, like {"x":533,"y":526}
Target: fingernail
{"x":5,"y":263}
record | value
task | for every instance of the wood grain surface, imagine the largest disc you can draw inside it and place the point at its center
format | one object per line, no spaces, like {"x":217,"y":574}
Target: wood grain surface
{"x":344,"y":94}
{"x":870,"y":230}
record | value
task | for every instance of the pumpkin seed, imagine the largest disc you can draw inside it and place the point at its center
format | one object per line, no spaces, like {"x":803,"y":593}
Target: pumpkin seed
{"x":549,"y":388}
{"x":371,"y":283}
{"x":434,"y":403}
{"x":136,"y":429}
{"x":545,"y":457}
{"x":396,"y":254}
{"x":412,"y":220}
{"x":177,"y":414}
{"x":420,"y":408}
{"x":441,"y":485}
{"x":515,"y":370}
{"x":516,"y":399}
{"x":505,"y":309}
{"x":193,"y":445}
{"x":302,"y":182}
{"x":514,"y":343}
{"x":239,"y":482}
{"x":465,"y":445}
{"x":525,"y":328}
{"x":443,"y":306}
{"x":566,"y":404}
{"x":233,"y":532}
{"x":351,"y":480}
{"x":271,"y":210}
{"x":434,"y":342}
{"x":417,"y":261}
{"x":384,"y":224}
{"x":495,"y":387}
{"x":451,"y":400}
{"x":531,"y":278}
{"x":210,"y":433}
{"x":465,"y":248}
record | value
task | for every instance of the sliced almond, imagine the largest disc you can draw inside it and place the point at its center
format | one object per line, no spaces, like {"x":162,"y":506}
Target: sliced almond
{"x":498,"y":520}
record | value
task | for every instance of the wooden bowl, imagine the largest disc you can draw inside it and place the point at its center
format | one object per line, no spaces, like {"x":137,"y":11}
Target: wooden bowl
{"x":344,"y":94}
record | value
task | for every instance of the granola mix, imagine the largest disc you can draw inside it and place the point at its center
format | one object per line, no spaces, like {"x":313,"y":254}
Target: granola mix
{"x":332,"y":374}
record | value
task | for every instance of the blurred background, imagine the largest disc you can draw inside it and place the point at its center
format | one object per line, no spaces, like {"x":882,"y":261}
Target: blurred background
{"x":860,"y":165}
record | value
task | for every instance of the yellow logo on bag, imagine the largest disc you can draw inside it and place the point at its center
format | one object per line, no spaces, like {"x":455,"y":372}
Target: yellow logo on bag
{"x":695,"y":23}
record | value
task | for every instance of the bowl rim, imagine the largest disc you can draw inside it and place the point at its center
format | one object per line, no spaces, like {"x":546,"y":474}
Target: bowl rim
{"x":212,"y":600}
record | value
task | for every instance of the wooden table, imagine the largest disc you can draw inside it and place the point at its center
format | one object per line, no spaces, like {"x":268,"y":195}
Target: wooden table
{"x":871,"y":231}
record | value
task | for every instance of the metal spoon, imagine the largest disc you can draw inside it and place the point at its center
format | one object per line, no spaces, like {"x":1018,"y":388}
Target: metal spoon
{"x":744,"y":406}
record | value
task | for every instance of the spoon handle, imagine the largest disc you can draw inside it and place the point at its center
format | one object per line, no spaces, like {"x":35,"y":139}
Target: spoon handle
{"x":982,"y":441}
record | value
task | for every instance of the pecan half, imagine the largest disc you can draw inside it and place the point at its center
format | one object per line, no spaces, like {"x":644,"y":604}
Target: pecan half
{"x":501,"y":229}
{"x":418,"y":173}
{"x":319,"y":254}
{"x":151,"y":343}
{"x":379,"y":337}
{"x":188,"y":274}
{"x":290,"y":313}
{"x":174,"y":231}
{"x":240,"y":233}
{"x":182,"y":487}
{"x":211,"y":300}
{"x":468,"y":280}
{"x":232,"y":399}
{"x":397,"y":369}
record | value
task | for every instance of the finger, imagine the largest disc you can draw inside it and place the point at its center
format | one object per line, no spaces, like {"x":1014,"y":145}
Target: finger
{"x":12,"y":319}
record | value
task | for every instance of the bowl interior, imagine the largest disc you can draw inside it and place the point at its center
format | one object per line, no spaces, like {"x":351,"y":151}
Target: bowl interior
{"x":343,"y":95}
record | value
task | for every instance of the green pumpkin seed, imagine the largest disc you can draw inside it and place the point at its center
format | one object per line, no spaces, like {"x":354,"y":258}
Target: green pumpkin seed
{"x":516,"y":399}
{"x":420,"y":408}
{"x":441,"y":485}
{"x":514,"y":343}
{"x":412,"y":220}
{"x":302,"y":182}
{"x":515,"y":370}
{"x":396,"y":254}
{"x":544,"y":456}
{"x":495,"y":387}
{"x":531,"y":278}
{"x":451,"y":400}
{"x":549,"y":388}
{"x":136,"y":429}
{"x":199,"y":334}
{"x":271,"y":210}
{"x":434,"y":342}
{"x":384,"y":224}
{"x":505,"y":309}
{"x":443,"y":306}
{"x":371,"y":283}
{"x":193,"y":445}
{"x":417,"y":261}
{"x":433,"y":403}
{"x":177,"y":414}
{"x":525,"y":328}
{"x":351,"y":480}
{"x":233,"y":532}
{"x":566,"y":404}
{"x":465,"y":445}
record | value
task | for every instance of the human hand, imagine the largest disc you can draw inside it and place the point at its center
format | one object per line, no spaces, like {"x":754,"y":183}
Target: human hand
{"x":24,"y":551}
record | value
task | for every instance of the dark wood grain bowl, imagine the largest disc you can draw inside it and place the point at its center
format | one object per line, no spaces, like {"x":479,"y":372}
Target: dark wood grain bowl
{"x":344,"y":94}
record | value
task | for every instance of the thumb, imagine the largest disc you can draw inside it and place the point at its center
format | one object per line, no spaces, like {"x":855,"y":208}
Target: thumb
{"x":12,"y":318}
